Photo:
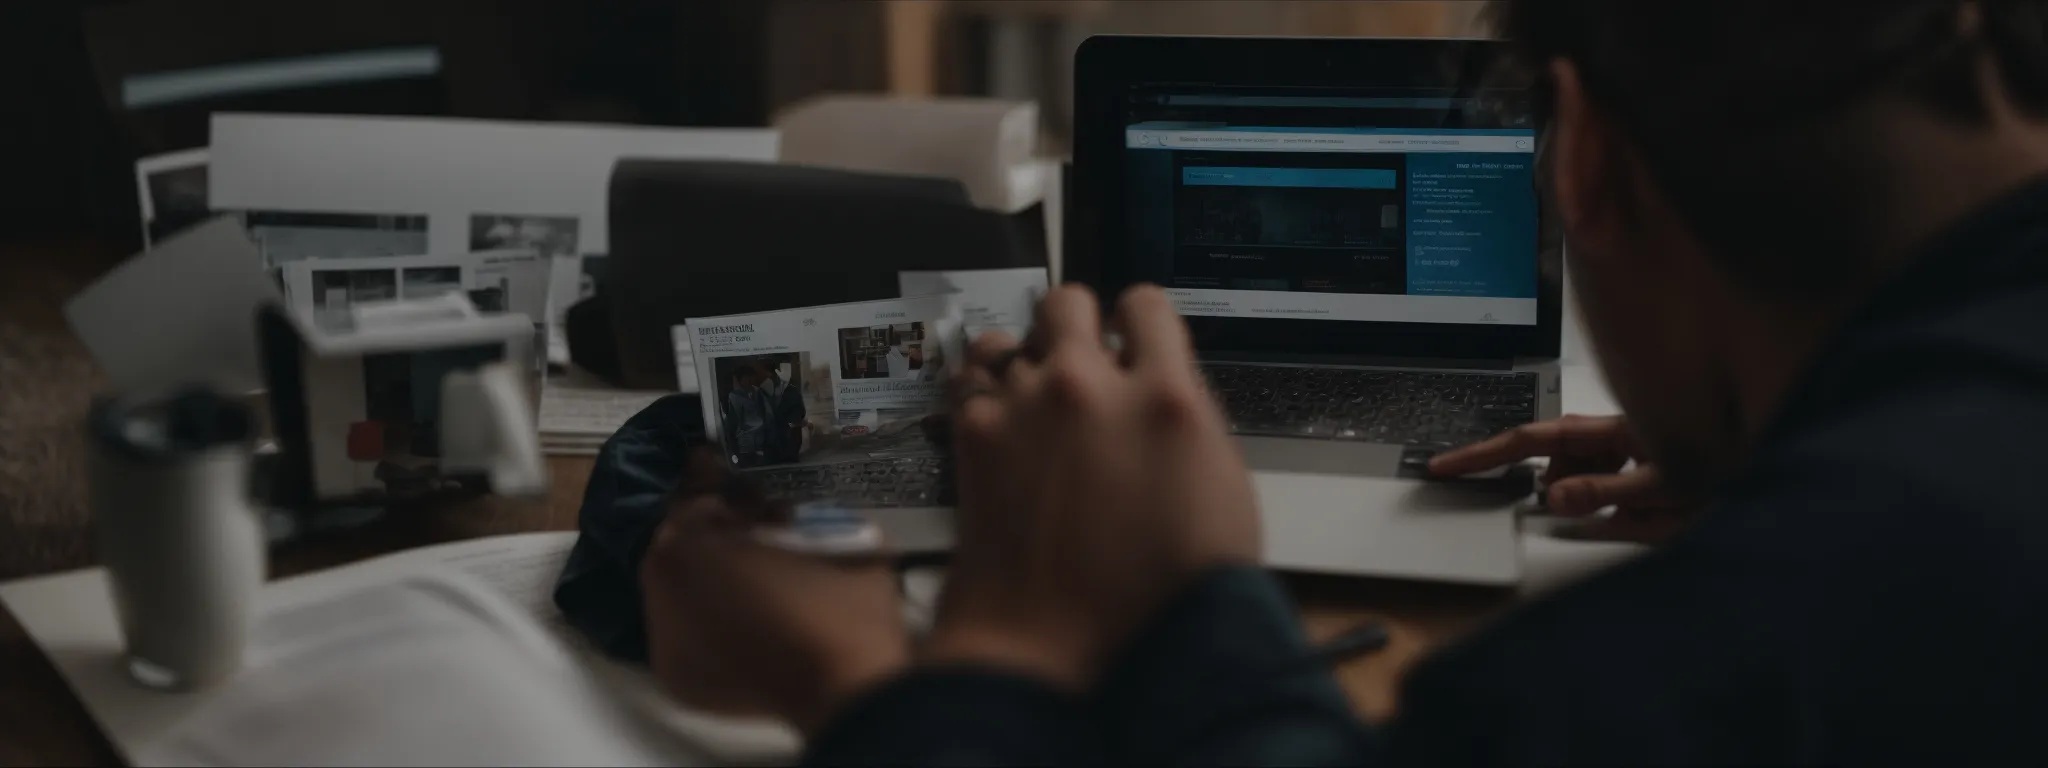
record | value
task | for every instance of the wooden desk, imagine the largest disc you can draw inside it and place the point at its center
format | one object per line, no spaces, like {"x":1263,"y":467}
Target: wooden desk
{"x":46,"y":725}
{"x":45,"y":383}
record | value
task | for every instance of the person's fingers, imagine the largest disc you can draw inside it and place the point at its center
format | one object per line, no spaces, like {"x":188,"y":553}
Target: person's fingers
{"x":990,"y":349}
{"x":1587,"y":494}
{"x":974,"y":381}
{"x":1068,"y":318}
{"x":713,"y":494}
{"x":1561,"y":467}
{"x":693,"y":529}
{"x":704,"y":472}
{"x":1653,"y":526}
{"x":978,"y":422}
{"x":1571,"y":435}
{"x":1154,"y":336}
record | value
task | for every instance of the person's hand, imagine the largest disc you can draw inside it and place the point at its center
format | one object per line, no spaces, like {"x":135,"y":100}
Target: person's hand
{"x":1589,"y":471}
{"x":739,"y":627}
{"x":1093,"y":484}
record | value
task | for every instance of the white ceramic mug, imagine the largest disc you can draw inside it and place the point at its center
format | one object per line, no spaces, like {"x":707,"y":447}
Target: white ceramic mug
{"x":182,"y":543}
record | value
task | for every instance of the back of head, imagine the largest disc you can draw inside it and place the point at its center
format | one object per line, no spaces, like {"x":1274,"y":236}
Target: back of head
{"x":1753,"y":113}
{"x":1735,"y":176}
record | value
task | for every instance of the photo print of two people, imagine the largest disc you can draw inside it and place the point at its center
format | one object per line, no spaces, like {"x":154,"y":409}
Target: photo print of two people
{"x":764,"y":413}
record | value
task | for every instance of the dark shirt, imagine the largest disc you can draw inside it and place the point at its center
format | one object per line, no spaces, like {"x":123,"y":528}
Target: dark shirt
{"x":1872,"y":588}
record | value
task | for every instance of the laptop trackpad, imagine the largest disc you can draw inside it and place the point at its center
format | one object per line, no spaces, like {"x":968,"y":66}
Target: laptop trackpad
{"x":1337,"y":457}
{"x":1321,"y":457}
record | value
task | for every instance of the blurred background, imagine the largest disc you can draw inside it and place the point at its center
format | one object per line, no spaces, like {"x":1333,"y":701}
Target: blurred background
{"x":93,"y":85}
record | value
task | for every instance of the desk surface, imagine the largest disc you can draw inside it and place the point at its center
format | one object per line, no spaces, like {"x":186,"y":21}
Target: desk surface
{"x":48,"y":726}
{"x":44,"y":394}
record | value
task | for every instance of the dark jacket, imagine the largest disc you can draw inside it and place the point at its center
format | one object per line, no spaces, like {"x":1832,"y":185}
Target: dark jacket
{"x":1873,"y":588}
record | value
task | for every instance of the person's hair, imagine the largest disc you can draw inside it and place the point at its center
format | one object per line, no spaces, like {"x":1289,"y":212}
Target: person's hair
{"x":1742,"y":108}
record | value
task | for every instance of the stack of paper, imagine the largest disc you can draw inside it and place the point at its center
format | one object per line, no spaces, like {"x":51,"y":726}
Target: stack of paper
{"x":578,"y":412}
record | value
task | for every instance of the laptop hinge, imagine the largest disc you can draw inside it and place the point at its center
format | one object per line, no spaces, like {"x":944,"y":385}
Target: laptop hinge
{"x":1466,"y":363}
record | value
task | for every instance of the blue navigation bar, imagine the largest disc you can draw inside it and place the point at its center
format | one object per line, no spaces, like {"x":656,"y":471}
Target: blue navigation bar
{"x":1317,"y":178}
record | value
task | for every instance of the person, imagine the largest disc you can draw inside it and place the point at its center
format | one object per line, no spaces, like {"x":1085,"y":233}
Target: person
{"x":896,"y":358}
{"x":750,"y":412}
{"x":1810,"y":245}
{"x":786,"y":413}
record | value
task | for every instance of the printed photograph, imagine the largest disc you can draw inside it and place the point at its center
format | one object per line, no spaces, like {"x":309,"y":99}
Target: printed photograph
{"x":763,"y":409}
{"x":428,"y":282}
{"x":336,"y":291}
{"x":546,"y":235}
{"x":177,"y":199}
{"x":884,"y":352}
{"x":285,"y":236}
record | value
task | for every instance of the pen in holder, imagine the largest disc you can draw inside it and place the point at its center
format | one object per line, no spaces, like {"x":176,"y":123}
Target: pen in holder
{"x":182,"y":544}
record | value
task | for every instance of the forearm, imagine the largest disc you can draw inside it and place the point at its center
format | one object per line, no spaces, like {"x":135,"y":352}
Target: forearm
{"x":1224,"y":676}
{"x":957,"y":715}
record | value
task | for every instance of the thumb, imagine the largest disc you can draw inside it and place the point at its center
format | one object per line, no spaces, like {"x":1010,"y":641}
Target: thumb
{"x":1586,"y":494}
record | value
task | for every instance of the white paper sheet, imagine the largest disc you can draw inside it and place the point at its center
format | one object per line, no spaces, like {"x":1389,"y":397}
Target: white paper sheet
{"x":686,"y":360}
{"x":570,"y":279}
{"x":578,"y":411}
{"x":464,"y":176}
{"x":857,"y":368}
{"x":173,"y":183}
{"x":182,"y":313}
{"x":325,"y":290}
{"x":572,"y":410}
{"x":990,"y":299}
{"x":71,"y":618}
{"x":429,"y":669}
{"x":985,"y":144}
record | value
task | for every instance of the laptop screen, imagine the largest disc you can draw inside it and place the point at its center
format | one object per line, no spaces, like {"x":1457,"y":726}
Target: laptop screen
{"x":1392,"y":205}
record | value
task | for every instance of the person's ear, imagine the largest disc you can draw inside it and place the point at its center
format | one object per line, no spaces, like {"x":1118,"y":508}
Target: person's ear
{"x":1582,"y":142}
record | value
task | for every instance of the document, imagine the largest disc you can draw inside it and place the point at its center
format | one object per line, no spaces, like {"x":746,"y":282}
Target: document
{"x":182,"y":313}
{"x":780,"y":386}
{"x":578,"y":412}
{"x":990,"y":299}
{"x":496,"y":282}
{"x":452,"y":654}
{"x":570,"y":279}
{"x":445,"y":185}
{"x":686,"y":360}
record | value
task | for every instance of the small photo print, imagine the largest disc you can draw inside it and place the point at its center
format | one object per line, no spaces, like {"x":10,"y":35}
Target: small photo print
{"x":336,"y":291}
{"x":547,"y":236}
{"x":763,"y":409}
{"x":177,"y":198}
{"x":287,"y":236}
{"x":884,"y":352}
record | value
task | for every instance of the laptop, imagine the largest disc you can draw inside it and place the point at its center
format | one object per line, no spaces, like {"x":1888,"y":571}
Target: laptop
{"x":1352,"y":229}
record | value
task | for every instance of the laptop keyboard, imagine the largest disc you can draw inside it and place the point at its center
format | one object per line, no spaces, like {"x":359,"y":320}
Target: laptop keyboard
{"x":906,"y":481}
{"x":1417,"y":408}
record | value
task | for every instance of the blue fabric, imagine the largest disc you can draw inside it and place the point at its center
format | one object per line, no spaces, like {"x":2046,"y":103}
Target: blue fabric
{"x":599,"y":590}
